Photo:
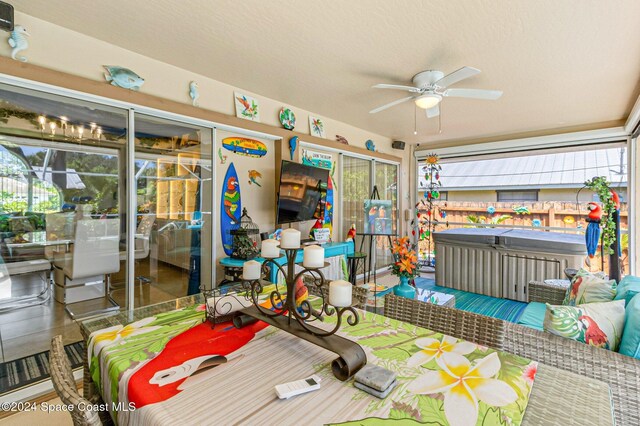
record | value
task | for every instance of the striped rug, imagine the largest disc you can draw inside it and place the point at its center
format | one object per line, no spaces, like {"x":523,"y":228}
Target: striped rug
{"x":504,"y":309}
{"x":35,"y":368}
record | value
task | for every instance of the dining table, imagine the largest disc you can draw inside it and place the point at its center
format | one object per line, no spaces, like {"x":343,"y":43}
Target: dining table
{"x":166,"y":364}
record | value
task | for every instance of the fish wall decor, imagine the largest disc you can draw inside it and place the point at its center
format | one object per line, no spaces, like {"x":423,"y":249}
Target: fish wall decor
{"x":123,"y":77}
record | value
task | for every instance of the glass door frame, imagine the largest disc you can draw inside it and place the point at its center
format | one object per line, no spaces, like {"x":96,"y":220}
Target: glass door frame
{"x":372,"y":181}
{"x":129,"y":161}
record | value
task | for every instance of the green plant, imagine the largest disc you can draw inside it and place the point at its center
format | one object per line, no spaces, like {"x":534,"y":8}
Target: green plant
{"x":600,"y":186}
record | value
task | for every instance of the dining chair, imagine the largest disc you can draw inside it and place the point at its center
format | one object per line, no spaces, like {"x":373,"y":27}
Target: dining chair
{"x":92,"y":259}
{"x":66,"y":388}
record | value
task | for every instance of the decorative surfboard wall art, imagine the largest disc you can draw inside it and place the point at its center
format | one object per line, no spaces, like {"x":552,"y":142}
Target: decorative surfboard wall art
{"x":328,"y":208}
{"x":245,"y":146}
{"x":230,"y":208}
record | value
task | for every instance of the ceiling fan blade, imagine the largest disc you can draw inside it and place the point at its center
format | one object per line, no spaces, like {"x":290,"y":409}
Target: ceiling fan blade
{"x":490,"y":95}
{"x":397,"y":87}
{"x":456,"y":76}
{"x":433,"y":111}
{"x":390,"y":104}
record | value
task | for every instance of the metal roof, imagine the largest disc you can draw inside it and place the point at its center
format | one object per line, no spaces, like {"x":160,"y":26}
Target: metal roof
{"x":558,"y":170}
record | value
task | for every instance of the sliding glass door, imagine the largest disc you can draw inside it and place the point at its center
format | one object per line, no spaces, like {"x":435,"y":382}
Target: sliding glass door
{"x":359,"y":176}
{"x":386,"y":181}
{"x":173,"y":179}
{"x":62,"y":215}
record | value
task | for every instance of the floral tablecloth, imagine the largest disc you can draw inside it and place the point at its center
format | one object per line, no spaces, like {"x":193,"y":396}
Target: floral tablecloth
{"x":176,"y":369}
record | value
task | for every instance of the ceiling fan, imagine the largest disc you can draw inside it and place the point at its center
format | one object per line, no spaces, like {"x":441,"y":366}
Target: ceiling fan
{"x":430,"y":87}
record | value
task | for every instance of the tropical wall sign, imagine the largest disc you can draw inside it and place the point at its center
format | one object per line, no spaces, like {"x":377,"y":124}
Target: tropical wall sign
{"x":244,"y":146}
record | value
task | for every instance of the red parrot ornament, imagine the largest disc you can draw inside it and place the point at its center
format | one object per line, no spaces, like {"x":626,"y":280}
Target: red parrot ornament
{"x":593,"y":335}
{"x":317,"y":225}
{"x":351,"y":235}
{"x":592,"y":235}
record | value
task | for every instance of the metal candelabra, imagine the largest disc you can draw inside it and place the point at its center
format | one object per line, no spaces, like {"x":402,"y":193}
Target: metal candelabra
{"x":296,"y":319}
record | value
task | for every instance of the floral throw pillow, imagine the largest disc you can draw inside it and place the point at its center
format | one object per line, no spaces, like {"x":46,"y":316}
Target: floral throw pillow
{"x":596,"y":324}
{"x":589,"y":288}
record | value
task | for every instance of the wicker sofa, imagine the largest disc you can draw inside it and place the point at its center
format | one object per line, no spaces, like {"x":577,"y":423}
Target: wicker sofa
{"x":620,"y":372}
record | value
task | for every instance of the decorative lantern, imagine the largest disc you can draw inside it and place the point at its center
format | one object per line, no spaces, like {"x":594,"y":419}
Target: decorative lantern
{"x":245,"y":238}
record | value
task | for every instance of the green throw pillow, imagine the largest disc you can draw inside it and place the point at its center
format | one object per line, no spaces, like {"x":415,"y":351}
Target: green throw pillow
{"x":589,"y":288}
{"x":597,"y":324}
{"x":630,"y":344}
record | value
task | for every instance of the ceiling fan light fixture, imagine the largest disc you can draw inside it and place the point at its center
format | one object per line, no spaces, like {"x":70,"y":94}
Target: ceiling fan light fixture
{"x":428,"y":100}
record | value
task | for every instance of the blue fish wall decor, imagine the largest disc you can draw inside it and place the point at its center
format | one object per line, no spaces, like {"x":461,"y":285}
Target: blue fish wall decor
{"x":370,"y":145}
{"x":123,"y":77}
{"x":18,"y":42}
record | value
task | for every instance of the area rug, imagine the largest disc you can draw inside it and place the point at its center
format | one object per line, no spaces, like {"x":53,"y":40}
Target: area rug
{"x":34,"y":368}
{"x":508,"y":310}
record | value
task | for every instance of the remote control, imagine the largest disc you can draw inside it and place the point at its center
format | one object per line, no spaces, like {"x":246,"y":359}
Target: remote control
{"x":287,"y":390}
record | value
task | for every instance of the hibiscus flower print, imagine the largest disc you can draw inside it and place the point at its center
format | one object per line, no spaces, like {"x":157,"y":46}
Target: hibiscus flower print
{"x":431,"y":348}
{"x":529,"y":373}
{"x":463,"y":385}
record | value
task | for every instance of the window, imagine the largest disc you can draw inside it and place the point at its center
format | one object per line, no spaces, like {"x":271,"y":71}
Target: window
{"x":444,"y":196}
{"x":517,"y":195}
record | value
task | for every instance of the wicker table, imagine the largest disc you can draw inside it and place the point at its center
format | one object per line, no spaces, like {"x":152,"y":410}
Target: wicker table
{"x":435,"y":297}
{"x":558,"y":396}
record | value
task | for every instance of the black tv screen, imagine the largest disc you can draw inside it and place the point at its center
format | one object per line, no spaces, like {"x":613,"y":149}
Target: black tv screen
{"x":303,"y":192}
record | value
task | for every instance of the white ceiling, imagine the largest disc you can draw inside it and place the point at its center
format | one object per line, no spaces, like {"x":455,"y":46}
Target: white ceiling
{"x":560,"y":63}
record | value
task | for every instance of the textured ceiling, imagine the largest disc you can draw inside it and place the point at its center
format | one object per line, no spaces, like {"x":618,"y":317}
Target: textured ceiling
{"x":560,"y":63}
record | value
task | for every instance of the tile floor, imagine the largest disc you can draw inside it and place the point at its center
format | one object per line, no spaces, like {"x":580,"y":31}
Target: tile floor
{"x":26,"y":331}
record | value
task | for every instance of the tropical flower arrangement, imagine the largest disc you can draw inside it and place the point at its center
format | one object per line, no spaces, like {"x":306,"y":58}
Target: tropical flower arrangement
{"x":406,"y":259}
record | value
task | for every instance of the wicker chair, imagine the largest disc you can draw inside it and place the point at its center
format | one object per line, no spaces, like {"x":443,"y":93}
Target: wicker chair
{"x":620,"y":372}
{"x":65,"y":386}
{"x":360,"y":294}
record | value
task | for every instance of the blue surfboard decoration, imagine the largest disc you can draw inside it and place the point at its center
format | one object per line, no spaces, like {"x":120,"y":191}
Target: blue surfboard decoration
{"x":230,"y":208}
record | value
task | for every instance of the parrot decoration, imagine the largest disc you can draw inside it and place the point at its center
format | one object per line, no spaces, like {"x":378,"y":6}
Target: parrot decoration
{"x":491,"y":210}
{"x":223,"y":158}
{"x":293,"y":144}
{"x":193,"y":93}
{"x":317,"y":225}
{"x":250,"y":108}
{"x":351,"y":235}
{"x":192,"y":352}
{"x":253,"y":175}
{"x":592,"y":236}
{"x":371,"y":218}
{"x":301,"y":294}
{"x":231,"y":197}
{"x":593,"y":335}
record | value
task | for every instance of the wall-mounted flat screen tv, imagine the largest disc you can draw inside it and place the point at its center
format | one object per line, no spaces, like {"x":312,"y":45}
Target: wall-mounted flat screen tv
{"x":302,"y":194}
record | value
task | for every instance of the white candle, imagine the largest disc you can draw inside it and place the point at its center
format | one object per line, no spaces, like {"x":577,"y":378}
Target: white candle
{"x":251,"y":270}
{"x":270,"y":248}
{"x":313,"y":257}
{"x":290,"y":239}
{"x":340,"y":293}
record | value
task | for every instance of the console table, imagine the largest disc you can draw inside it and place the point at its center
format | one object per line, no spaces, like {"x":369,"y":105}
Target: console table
{"x":330,"y":250}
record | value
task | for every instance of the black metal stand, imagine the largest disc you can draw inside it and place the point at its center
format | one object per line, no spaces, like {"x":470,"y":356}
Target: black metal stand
{"x":295,"y":319}
{"x":375,"y":195}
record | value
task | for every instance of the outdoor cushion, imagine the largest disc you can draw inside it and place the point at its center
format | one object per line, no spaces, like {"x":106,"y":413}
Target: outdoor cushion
{"x":533,"y":315}
{"x":626,"y":284}
{"x":630,"y":344}
{"x":630,"y":295}
{"x":596,"y":324}
{"x":586,"y":287}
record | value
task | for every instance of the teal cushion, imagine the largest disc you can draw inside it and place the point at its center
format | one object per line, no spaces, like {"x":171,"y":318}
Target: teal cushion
{"x":630,"y":295}
{"x":630,"y":344}
{"x":628,"y":283}
{"x":533,"y":315}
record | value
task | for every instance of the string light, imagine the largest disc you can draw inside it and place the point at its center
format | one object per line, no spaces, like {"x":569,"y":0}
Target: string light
{"x":52,"y":126}
{"x":80,"y":131}
{"x":42,"y":120}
